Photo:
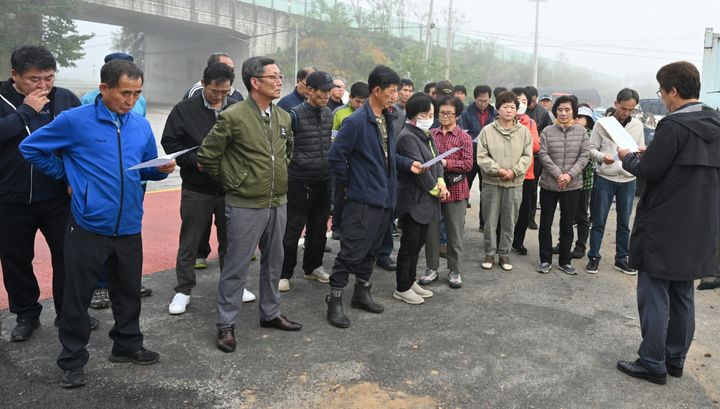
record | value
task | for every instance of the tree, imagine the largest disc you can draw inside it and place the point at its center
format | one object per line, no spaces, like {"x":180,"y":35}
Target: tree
{"x":42,"y":22}
{"x":130,"y":42}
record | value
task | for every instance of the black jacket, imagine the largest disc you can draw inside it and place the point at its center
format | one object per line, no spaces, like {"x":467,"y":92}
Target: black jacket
{"x":312,"y":129}
{"x":186,"y":127}
{"x":19,"y":181}
{"x":414,"y":190}
{"x":541,"y":117}
{"x":677,"y":225}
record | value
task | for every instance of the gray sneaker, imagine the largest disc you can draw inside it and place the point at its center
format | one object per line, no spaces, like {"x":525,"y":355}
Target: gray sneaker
{"x":100,"y":299}
{"x":543,"y":268}
{"x":568,"y":269}
{"x":454,"y":279}
{"x":428,"y":276}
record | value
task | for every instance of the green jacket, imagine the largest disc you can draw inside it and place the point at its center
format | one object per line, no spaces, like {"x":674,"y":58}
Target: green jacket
{"x":248,"y":153}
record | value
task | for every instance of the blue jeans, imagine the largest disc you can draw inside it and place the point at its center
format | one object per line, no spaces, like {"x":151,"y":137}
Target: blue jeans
{"x":602,"y":196}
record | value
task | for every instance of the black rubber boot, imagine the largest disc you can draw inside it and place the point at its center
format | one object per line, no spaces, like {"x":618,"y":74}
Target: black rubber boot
{"x":362,"y":299}
{"x":335,"y":314}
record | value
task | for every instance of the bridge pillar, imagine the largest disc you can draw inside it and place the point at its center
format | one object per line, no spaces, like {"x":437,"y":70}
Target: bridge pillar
{"x":173,"y":63}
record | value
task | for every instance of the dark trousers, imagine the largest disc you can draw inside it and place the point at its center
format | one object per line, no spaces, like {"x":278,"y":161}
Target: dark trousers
{"x":667,"y":320}
{"x":19,"y":224}
{"x":339,"y":199}
{"x":411,"y":241}
{"x":387,"y":242}
{"x":308,"y":205}
{"x":568,"y":208}
{"x":204,"y":249}
{"x":87,"y":255}
{"x":537,"y":171}
{"x":582,"y":220}
{"x":196,"y":212}
{"x":529,"y":193}
{"x":362,"y":234}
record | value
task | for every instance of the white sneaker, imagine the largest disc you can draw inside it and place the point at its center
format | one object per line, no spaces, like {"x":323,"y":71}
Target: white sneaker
{"x":248,"y":296}
{"x":408,"y":296}
{"x":421,"y":291}
{"x":284,"y":285}
{"x":178,"y":304}
{"x":318,"y":274}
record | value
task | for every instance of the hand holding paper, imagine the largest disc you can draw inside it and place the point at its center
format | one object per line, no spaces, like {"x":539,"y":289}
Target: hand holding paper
{"x":618,"y":134}
{"x":160,"y":161}
{"x":440,"y":157}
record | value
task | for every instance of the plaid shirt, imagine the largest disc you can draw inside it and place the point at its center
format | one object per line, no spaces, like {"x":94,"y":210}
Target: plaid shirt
{"x":589,"y":171}
{"x":459,"y":162}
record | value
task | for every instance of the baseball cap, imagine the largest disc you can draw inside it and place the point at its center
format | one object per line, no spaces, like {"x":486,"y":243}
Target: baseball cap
{"x":320,"y":80}
{"x":119,"y":56}
{"x":545,"y":96}
{"x":443,"y":88}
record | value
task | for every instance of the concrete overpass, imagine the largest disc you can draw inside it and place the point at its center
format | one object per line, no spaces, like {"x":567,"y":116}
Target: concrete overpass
{"x":180,"y":34}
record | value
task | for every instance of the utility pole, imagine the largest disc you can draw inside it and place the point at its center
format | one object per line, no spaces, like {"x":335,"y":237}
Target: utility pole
{"x":448,"y":49}
{"x":535,"y":48}
{"x":297,"y":31}
{"x":428,"y":34}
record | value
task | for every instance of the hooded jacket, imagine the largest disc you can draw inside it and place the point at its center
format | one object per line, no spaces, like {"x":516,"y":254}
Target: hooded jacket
{"x":85,"y":147}
{"x":507,"y":149}
{"x":20,"y":182}
{"x":677,"y":223}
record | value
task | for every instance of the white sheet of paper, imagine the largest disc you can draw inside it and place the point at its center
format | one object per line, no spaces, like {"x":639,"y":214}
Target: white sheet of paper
{"x":160,"y":161}
{"x":618,"y":134}
{"x":440,"y":157}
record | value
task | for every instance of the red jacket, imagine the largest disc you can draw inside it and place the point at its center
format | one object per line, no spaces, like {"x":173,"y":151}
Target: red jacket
{"x":530,"y":124}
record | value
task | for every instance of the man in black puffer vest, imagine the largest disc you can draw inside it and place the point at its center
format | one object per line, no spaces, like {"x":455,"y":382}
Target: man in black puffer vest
{"x":308,"y":181}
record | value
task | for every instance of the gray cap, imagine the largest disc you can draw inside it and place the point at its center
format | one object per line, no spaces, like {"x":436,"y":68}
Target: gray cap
{"x":545,"y":96}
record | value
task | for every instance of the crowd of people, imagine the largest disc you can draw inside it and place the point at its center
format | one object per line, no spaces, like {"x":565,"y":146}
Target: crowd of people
{"x":268,"y":174}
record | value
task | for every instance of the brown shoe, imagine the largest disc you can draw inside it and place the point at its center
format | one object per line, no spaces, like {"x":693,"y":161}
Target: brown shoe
{"x":505,"y":263}
{"x":282,"y":323}
{"x":443,"y":250}
{"x":226,"y":339}
{"x":487,"y":264}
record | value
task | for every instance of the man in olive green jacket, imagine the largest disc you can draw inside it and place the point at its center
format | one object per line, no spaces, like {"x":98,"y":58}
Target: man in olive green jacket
{"x":248,"y":151}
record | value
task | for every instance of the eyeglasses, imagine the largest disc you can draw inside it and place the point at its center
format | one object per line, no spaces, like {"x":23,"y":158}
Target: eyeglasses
{"x":658,"y":94}
{"x":276,"y":78}
{"x":446,"y":114}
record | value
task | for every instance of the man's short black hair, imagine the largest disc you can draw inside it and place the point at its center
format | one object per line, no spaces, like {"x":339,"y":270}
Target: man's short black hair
{"x":383,"y":77}
{"x":219,"y":73}
{"x":254,"y":67}
{"x":506,"y":97}
{"x":519,"y":91}
{"x":215,"y":57}
{"x":564,"y":99}
{"x":417,"y":104}
{"x":627,"y":94}
{"x":359,"y":90}
{"x":428,"y":86}
{"x":303,"y":73}
{"x":111,"y":72}
{"x":406,"y":82}
{"x":531,"y":92}
{"x":497,"y":91}
{"x":681,"y":75}
{"x":461,"y":88}
{"x":27,"y":57}
{"x":452,"y":101}
{"x":482,"y":89}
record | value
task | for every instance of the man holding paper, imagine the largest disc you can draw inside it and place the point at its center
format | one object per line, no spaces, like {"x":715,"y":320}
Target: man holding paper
{"x":92,"y":147}
{"x":612,"y":181}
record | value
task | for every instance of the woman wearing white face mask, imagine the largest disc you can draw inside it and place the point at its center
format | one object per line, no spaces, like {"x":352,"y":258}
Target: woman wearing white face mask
{"x":504,"y":156}
{"x":530,"y":182}
{"x":419,"y":196}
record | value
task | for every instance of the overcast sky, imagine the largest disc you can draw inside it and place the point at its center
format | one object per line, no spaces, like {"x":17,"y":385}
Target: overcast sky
{"x":629,"y":39}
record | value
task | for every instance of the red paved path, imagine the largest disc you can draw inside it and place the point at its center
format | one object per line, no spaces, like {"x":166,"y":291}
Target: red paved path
{"x":161,"y":229}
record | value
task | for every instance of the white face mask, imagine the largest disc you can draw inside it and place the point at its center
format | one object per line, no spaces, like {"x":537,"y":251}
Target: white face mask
{"x":424,"y":124}
{"x":521,"y":109}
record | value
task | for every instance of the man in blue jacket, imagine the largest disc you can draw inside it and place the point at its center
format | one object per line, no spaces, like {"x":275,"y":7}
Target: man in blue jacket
{"x":91,"y":148}
{"x":30,"y":200}
{"x":363,"y":159}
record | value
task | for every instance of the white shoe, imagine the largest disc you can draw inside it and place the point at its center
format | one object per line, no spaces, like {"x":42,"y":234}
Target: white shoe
{"x":408,"y":296}
{"x":284,"y":285}
{"x":318,"y":274}
{"x":178,"y":304}
{"x":421,"y":291}
{"x":248,"y":296}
